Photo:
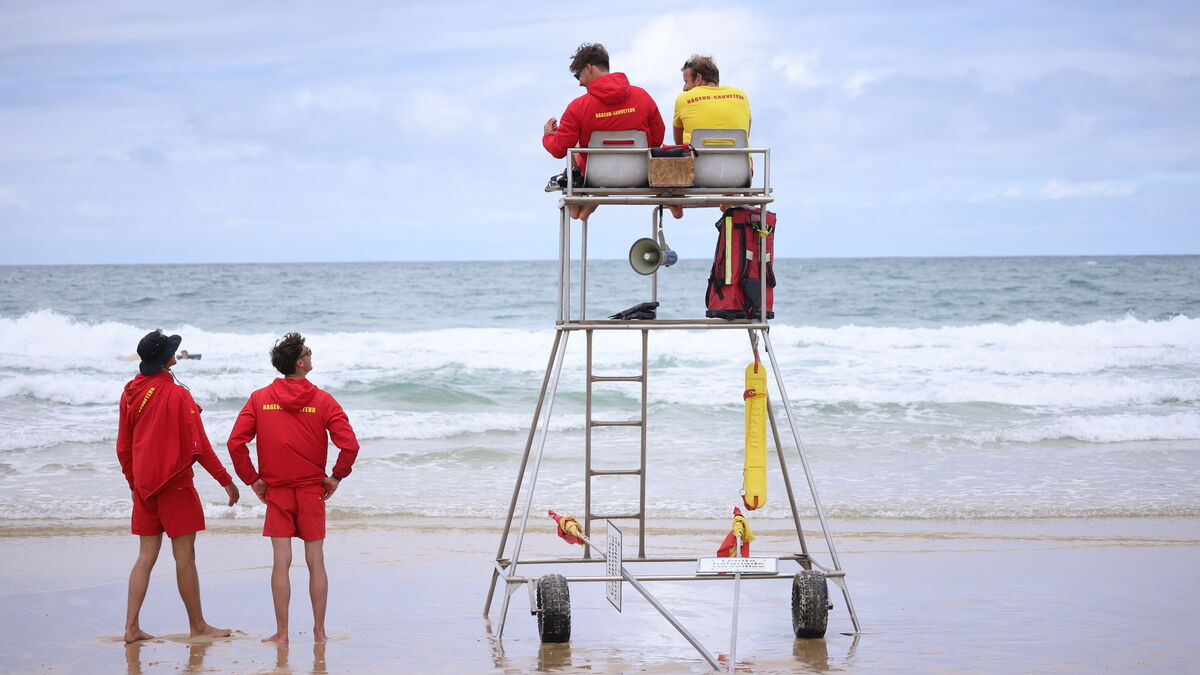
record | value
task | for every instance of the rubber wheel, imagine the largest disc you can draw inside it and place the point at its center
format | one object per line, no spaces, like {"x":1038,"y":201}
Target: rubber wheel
{"x":810,"y":604}
{"x":554,"y":601}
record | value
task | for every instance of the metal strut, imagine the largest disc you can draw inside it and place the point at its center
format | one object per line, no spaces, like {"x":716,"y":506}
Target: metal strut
{"x":512,"y":504}
{"x":560,"y":352}
{"x":637,"y":585}
{"x":812,"y":486}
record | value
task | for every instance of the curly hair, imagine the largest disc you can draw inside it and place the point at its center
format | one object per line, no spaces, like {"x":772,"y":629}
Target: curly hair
{"x":704,"y":66}
{"x":286,"y":352}
{"x":593,"y":53}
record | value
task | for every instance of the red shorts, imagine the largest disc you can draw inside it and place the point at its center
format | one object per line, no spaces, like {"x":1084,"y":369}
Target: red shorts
{"x":176,"y":510}
{"x":295,"y":512}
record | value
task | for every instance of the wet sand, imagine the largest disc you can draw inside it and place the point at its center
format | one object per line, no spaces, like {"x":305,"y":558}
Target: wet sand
{"x":1083,"y":595}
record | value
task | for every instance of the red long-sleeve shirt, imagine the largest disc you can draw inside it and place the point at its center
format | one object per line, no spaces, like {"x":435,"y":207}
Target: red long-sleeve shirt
{"x":160,"y":435}
{"x":294,"y":421}
{"x":610,"y":104}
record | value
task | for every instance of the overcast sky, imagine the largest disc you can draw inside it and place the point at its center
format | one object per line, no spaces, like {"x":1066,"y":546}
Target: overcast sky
{"x":233,"y":131}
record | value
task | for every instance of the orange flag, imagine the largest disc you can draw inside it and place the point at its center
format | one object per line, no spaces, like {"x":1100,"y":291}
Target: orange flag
{"x":567,"y":527}
{"x":740,"y":529}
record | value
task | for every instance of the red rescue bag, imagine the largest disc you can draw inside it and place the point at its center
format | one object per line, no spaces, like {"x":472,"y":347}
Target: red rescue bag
{"x":735,"y":285}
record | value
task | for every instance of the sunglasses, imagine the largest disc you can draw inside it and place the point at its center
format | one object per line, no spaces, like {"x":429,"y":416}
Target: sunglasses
{"x":579,"y":72}
{"x":307,"y":352}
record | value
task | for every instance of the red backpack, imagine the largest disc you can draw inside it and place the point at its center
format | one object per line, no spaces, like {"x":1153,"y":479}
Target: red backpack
{"x":734,"y":285}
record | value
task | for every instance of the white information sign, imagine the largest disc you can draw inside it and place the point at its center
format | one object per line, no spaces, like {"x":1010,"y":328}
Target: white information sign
{"x":612,"y":565}
{"x":732,"y":565}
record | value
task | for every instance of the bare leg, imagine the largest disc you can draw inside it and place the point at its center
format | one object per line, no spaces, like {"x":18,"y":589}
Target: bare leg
{"x":281,"y":587}
{"x":318,"y":585}
{"x":582,"y":211}
{"x":139,"y":581}
{"x":184,"y":548}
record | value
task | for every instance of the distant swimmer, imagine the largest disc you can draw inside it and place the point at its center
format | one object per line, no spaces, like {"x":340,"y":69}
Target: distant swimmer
{"x":159,"y":437}
{"x":294,"y":421}
{"x":184,"y":356}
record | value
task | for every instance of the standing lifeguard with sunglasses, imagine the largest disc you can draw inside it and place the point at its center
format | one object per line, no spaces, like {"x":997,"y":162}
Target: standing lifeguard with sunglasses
{"x":610,"y":104}
{"x":294,"y":421}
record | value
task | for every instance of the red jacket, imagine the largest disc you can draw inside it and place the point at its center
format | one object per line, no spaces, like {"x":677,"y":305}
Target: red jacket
{"x":610,"y":104}
{"x":160,"y":435}
{"x":294,"y":421}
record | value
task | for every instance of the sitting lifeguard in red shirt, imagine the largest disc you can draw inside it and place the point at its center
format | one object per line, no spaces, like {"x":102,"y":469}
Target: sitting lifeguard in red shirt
{"x":610,"y":104}
{"x":294,"y":421}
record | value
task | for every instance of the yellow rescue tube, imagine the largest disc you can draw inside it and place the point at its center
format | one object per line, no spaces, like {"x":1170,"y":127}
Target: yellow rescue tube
{"x":754,"y":472}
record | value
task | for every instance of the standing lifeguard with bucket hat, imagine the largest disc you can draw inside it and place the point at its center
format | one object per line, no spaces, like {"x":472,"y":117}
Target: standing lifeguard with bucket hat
{"x":159,"y":437}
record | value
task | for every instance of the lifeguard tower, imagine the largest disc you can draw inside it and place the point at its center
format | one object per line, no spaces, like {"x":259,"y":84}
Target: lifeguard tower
{"x":618,"y":174}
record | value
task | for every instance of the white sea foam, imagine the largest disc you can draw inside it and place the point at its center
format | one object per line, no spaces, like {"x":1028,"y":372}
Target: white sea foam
{"x":401,"y":425}
{"x":1029,"y":347}
{"x":113,"y":508}
{"x":1112,"y":428}
{"x":955,"y":391}
{"x":1039,"y":364}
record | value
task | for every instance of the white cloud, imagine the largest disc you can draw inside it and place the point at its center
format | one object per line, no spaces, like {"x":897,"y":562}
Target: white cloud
{"x":9,"y":197}
{"x":1003,"y":193}
{"x":1056,"y":189}
{"x":860,"y":79}
{"x":744,"y":45}
{"x":91,"y":209}
{"x":798,"y":69}
{"x":338,"y":99}
{"x":317,"y":116}
{"x":436,"y":113}
{"x":217,"y":152}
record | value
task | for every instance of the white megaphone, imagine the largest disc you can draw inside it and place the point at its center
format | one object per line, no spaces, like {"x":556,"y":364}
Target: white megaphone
{"x":647,"y":255}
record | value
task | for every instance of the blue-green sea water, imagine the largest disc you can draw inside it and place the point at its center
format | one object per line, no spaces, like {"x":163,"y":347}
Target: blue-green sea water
{"x":923,"y":388}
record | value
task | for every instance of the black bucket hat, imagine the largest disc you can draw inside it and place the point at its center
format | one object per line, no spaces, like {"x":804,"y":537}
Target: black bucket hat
{"x":156,"y":349}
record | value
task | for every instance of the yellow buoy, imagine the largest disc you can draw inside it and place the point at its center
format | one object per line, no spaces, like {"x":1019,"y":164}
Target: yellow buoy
{"x":754,"y":472}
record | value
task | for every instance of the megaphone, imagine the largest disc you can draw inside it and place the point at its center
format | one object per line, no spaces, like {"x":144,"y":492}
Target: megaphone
{"x":647,"y":255}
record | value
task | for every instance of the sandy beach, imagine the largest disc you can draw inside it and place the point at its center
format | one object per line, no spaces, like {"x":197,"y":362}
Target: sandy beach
{"x":1076,"y":595}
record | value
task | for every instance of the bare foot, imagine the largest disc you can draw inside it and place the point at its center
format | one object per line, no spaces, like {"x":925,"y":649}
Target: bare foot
{"x":676,"y":210}
{"x":135,"y":634}
{"x":209,"y":631}
{"x":278,"y":638}
{"x":319,"y":635}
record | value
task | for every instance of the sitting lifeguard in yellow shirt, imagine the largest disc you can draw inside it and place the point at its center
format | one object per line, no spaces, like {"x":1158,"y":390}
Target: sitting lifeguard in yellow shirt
{"x":704,"y":104}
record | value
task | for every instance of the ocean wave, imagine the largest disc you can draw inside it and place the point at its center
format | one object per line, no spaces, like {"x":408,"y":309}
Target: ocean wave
{"x":68,"y":508}
{"x":1114,"y":428}
{"x":1032,"y":363}
{"x":119,"y":510}
{"x":394,"y":425}
{"x":1025,"y":347}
